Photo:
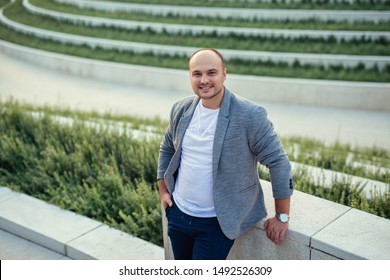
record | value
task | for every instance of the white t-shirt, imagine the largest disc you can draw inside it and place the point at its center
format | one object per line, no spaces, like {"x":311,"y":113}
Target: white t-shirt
{"x":194,"y":185}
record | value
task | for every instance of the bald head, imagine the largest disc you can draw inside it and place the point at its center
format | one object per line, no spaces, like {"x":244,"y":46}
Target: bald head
{"x":209,"y":52}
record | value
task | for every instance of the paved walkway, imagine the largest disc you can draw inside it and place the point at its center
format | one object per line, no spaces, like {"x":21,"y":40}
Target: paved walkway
{"x":37,"y":85}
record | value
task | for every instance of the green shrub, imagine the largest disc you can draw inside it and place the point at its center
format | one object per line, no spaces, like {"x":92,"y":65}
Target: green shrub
{"x":98,"y":173}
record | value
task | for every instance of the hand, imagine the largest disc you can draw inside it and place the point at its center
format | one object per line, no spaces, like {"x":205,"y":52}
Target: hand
{"x":165,"y":196}
{"x":166,"y":200}
{"x":275,"y":230}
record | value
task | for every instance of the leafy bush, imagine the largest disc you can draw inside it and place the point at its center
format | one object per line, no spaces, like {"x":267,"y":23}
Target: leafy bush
{"x":97,"y":173}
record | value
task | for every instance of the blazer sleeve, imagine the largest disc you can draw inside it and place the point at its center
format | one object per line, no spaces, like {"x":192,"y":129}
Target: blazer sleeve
{"x":266,"y":145}
{"x":167,"y":148}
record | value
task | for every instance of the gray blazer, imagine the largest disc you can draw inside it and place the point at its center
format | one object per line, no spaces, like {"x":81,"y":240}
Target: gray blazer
{"x":243,"y":137}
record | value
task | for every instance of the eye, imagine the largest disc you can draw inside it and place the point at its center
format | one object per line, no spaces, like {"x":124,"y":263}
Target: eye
{"x":212,"y":73}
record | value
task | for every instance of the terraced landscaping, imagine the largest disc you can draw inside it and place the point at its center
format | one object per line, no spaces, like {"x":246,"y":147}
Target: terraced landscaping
{"x":303,"y":4}
{"x":362,"y":58}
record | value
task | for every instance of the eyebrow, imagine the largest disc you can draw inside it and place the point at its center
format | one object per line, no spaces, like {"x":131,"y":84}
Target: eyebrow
{"x":208,"y":70}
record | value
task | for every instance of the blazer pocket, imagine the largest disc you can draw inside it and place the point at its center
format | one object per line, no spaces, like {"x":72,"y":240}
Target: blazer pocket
{"x":248,"y":189}
{"x":232,"y":141}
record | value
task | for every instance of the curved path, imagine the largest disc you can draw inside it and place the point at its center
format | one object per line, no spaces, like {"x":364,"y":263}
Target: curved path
{"x":280,"y":14}
{"x":33,"y":84}
{"x":202,"y":29}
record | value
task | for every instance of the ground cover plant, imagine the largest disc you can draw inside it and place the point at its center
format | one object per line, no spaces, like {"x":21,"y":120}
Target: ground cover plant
{"x":266,"y":68}
{"x":361,"y":46}
{"x":110,"y":176}
{"x":236,"y":66}
{"x":311,"y":24}
{"x":275,"y":4}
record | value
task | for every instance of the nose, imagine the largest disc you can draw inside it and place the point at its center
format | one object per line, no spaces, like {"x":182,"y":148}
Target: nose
{"x":203,"y":79}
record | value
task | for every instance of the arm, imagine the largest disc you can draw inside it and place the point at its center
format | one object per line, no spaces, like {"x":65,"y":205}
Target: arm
{"x":165,"y":155}
{"x":270,"y":153}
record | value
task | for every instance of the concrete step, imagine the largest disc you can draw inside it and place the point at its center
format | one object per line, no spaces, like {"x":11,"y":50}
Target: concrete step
{"x":42,"y":230}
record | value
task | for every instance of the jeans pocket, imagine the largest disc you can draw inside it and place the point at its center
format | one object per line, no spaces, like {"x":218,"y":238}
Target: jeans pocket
{"x":168,"y":209}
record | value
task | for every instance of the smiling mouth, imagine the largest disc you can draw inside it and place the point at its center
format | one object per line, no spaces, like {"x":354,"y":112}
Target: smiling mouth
{"x":205,"y":88}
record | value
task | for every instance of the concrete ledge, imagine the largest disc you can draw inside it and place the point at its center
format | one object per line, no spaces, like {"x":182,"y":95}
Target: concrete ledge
{"x":322,"y":93}
{"x":355,"y":235}
{"x":66,"y":234}
{"x":280,"y":14}
{"x":203,"y":29}
{"x":319,"y":230}
{"x":137,"y":47}
{"x":13,"y":247}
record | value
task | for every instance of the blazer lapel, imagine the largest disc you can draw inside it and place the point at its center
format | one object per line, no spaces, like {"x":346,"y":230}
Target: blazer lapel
{"x":178,"y":140}
{"x":220,"y":131}
{"x":184,"y":122}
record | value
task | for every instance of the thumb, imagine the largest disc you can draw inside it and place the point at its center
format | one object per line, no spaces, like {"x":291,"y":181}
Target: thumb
{"x":266,"y":224}
{"x":169,"y":201}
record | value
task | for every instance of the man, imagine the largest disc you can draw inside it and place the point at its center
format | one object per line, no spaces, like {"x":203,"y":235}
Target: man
{"x":207,"y":171}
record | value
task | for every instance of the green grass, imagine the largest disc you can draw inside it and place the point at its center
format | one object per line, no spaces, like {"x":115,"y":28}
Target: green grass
{"x":3,"y":3}
{"x":236,"y":66}
{"x":217,"y":21}
{"x":303,"y":4}
{"x":340,"y":157}
{"x":363,"y":46}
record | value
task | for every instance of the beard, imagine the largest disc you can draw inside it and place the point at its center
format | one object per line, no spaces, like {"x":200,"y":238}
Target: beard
{"x":208,"y":92}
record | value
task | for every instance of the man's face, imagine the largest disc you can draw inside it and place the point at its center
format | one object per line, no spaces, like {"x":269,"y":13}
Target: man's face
{"x":207,"y":76}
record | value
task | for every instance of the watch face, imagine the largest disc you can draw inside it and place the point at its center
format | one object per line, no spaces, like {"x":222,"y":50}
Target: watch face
{"x":283,"y":218}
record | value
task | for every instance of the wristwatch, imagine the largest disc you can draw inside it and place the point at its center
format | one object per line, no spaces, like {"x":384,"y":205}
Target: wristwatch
{"x":283,"y":217}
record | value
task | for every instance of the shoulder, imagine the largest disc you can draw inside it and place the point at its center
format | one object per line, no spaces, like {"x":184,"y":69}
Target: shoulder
{"x":181,"y":106}
{"x":247,"y":108}
{"x":184,"y":102}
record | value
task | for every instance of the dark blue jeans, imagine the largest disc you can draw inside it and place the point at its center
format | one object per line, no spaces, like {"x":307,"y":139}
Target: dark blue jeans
{"x":196,"y":238}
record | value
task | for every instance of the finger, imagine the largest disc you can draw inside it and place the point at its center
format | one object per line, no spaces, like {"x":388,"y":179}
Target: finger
{"x":169,"y":202}
{"x":269,"y":233}
{"x":266,"y":225}
{"x":280,"y":236}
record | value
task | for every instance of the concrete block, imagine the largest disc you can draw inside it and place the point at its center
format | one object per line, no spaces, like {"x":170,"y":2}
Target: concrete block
{"x":42,"y":223}
{"x":6,"y":193}
{"x":255,"y":245}
{"x":15,"y":248}
{"x":309,"y":214}
{"x":106,"y":243}
{"x":355,"y":235}
{"x":319,"y":255}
